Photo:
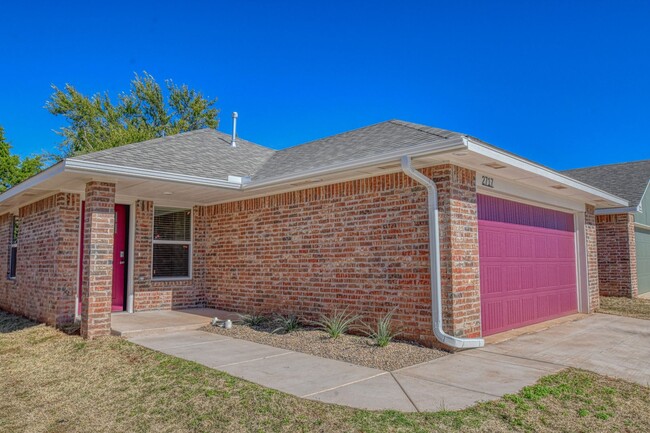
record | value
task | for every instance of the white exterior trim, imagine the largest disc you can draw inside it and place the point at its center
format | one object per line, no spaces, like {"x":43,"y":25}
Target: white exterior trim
{"x":131,"y":259}
{"x":431,"y":148}
{"x":76,"y":166}
{"x":582,"y":272}
{"x":510,"y":190}
{"x":33,"y":181}
{"x":77,"y":311}
{"x":539,"y":170}
{"x":190,"y":243}
{"x":616,"y":210}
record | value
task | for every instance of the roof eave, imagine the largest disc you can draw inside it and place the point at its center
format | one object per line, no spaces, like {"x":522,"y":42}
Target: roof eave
{"x":516,"y":161}
{"x":617,"y":210}
{"x":91,"y":167}
{"x":431,"y":148}
{"x":33,"y":181}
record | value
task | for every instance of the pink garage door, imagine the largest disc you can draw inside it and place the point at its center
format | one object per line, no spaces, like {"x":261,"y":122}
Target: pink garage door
{"x":527,"y":264}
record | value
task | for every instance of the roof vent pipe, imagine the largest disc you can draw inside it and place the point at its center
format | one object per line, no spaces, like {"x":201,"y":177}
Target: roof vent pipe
{"x":434,"y":261}
{"x":233,"y":142}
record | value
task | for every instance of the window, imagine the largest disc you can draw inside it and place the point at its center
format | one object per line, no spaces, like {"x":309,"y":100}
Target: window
{"x":13,"y":248}
{"x":172,"y":243}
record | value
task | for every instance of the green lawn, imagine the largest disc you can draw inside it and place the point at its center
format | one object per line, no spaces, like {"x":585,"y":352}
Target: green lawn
{"x":53,"y":382}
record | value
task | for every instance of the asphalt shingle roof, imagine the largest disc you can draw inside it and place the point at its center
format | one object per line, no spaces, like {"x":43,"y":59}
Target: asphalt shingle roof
{"x":360,"y":143}
{"x":204,"y":152}
{"x":628,"y":180}
{"x":207,"y":153}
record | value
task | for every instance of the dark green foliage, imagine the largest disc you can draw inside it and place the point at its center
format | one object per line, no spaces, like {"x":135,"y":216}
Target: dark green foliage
{"x":13,"y":169}
{"x":147,"y":111}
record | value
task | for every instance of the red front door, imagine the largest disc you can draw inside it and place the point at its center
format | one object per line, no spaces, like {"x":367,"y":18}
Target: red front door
{"x":120,"y":249}
{"x":119,"y":257}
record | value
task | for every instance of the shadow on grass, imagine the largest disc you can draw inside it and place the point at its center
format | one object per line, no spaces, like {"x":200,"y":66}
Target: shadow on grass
{"x":11,"y":323}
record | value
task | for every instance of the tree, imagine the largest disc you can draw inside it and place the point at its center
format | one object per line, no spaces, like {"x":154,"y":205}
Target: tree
{"x":96,"y":123}
{"x":13,"y":169}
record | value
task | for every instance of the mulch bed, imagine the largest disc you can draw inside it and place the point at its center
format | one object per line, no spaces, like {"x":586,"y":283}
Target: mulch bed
{"x":348,"y":348}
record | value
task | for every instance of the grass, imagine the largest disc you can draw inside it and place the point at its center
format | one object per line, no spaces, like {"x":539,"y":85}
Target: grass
{"x":637,"y":308}
{"x":53,"y":382}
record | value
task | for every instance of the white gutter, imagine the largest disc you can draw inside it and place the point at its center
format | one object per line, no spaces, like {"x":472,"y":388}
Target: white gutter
{"x":612,"y":211}
{"x":430,"y":148}
{"x":434,"y":261}
{"x":80,"y":166}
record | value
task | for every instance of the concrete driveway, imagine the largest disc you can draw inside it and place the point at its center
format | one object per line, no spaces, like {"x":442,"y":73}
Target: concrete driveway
{"x":610,"y":345}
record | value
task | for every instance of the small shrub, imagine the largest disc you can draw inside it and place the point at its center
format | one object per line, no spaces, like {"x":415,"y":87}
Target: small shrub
{"x":383,"y":332}
{"x":338,"y":323}
{"x":253,"y":319}
{"x":285,"y":324}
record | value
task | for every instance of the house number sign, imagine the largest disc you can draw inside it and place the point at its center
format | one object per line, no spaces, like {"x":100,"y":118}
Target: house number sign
{"x":487,"y":181}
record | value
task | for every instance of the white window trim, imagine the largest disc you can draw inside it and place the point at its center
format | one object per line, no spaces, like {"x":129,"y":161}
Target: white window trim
{"x":13,"y":245}
{"x":189,"y":243}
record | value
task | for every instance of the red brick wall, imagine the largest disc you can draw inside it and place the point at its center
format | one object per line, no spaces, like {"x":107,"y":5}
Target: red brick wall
{"x":46,"y":281}
{"x":361,"y":244}
{"x":164,"y":295}
{"x":592,"y":250}
{"x":617,"y":255}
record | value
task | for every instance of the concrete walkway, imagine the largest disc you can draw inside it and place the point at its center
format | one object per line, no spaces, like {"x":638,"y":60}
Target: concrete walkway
{"x":611,"y":345}
{"x":164,"y":321}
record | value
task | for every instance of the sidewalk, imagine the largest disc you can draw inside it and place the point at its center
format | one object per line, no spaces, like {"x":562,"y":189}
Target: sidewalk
{"x":453,"y":382}
{"x":611,"y":345}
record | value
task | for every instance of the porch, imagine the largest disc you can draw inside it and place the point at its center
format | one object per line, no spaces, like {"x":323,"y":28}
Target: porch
{"x":154,"y":322}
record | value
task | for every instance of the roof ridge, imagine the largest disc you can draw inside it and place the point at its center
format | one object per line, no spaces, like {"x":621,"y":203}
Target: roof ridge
{"x":420,"y":127}
{"x":332,"y":136}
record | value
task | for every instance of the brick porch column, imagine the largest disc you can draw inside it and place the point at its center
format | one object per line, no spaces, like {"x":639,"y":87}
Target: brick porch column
{"x":98,"y":259}
{"x":617,"y":273}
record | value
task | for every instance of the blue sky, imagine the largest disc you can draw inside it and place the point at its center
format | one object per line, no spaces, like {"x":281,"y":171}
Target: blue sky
{"x":566,"y":84}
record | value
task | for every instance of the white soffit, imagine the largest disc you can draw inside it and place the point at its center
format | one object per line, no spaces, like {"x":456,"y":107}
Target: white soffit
{"x":495,"y":163}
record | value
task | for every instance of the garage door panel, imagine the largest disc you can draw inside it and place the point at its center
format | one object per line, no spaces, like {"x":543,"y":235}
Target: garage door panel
{"x":527,"y":264}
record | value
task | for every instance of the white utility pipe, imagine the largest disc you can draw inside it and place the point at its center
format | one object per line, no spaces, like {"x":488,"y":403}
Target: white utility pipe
{"x":233,"y":142}
{"x":434,"y":262}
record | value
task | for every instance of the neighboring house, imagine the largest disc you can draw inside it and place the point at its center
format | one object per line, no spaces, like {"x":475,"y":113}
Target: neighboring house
{"x":623,"y":233}
{"x":348,"y":221}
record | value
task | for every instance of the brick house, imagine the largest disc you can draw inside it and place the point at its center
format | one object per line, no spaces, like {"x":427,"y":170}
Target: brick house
{"x":459,"y":238}
{"x":623,"y":233}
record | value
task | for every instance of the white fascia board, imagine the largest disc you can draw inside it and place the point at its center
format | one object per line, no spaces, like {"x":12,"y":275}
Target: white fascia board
{"x":616,"y":210}
{"x":539,"y":170}
{"x":431,"y":148}
{"x":33,"y":181}
{"x":90,"y":167}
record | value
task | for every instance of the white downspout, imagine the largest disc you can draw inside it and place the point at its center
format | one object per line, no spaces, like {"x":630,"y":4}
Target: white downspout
{"x":434,"y":262}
